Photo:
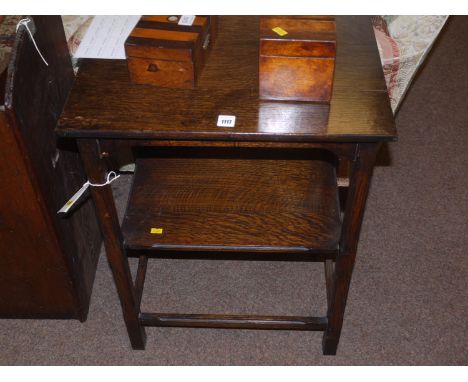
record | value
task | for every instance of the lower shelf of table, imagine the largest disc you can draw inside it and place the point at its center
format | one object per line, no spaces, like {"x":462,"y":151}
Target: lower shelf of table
{"x":237,"y":200}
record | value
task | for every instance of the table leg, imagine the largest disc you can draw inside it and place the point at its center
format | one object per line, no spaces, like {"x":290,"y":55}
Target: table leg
{"x":360,"y":176}
{"x":113,"y":241}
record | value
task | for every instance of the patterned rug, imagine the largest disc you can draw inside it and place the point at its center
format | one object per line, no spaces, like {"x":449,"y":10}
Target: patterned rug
{"x":404,"y":42}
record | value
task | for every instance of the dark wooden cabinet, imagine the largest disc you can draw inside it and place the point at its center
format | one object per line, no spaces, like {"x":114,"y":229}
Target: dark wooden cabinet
{"x":47,"y":262}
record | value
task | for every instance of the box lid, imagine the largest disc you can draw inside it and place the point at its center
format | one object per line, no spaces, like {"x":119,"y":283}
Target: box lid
{"x":298,"y":36}
{"x":161,"y":37}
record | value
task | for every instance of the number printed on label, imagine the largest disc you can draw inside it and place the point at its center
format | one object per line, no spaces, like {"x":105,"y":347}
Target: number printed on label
{"x":186,"y":20}
{"x":226,"y":121}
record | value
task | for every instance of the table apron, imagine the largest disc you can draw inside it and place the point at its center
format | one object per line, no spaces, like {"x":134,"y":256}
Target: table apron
{"x":345,"y":150}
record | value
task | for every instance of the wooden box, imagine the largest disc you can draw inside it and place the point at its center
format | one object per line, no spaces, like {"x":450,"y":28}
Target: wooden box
{"x":297,"y":58}
{"x":161,"y":52}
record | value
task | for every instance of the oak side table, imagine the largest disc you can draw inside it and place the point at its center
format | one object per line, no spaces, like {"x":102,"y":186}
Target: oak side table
{"x":195,"y":189}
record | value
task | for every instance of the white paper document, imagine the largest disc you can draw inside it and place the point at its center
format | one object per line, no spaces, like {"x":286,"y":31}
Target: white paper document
{"x":106,"y":36}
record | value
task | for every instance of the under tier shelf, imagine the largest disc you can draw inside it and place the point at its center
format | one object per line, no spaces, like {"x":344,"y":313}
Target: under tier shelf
{"x":233,"y":200}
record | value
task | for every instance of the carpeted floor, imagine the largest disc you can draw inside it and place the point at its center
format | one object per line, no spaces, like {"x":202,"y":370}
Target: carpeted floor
{"x":408,"y":299}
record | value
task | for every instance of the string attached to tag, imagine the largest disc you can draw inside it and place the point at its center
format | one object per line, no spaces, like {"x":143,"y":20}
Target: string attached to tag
{"x":24,"y":23}
{"x":111,"y":176}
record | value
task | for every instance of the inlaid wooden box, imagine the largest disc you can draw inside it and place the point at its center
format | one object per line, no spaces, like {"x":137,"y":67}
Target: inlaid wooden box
{"x":161,"y":52}
{"x":297,"y":58}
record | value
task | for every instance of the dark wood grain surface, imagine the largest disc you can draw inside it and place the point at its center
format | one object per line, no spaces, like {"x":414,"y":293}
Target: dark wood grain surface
{"x":244,"y":200}
{"x":105,"y":104}
{"x":47,"y":261}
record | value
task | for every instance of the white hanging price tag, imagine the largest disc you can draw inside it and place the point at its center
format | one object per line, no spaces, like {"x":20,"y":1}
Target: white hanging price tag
{"x":73,"y":199}
{"x":186,"y":20}
{"x":111,"y":176}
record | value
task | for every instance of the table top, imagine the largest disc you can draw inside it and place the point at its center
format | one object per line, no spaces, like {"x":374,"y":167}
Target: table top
{"x":105,"y":104}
